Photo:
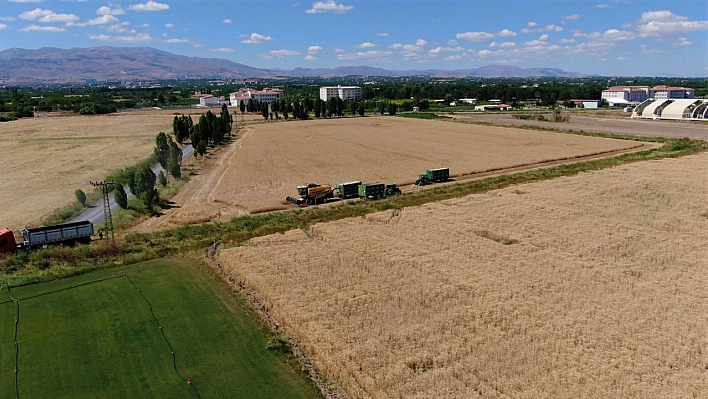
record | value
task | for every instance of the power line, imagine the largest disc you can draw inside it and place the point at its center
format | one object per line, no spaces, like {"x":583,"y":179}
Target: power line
{"x":106,"y":187}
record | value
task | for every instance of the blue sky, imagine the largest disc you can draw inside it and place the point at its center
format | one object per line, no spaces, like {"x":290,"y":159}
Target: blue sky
{"x":608,"y":37}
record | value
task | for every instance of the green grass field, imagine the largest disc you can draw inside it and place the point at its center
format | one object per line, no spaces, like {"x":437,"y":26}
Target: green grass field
{"x":100,"y":340}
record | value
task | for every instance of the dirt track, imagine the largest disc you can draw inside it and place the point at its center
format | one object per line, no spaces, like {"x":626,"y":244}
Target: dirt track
{"x":616,"y":124}
{"x":256,"y":172}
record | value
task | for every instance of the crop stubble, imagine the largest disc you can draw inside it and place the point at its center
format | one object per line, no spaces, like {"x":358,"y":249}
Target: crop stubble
{"x":259,"y":170}
{"x":601,"y":296}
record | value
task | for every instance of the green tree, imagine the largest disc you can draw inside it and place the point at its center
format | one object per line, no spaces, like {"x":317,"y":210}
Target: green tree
{"x":354,"y":108}
{"x":392,"y":108}
{"x":448,"y":99}
{"x":120,"y":196}
{"x":362,"y":109}
{"x":382,"y":108}
{"x":80,"y":196}
{"x":264,"y":110}
{"x":162,"y":149}
{"x":175,"y":162}
{"x":162,"y":179}
{"x":242,"y":106}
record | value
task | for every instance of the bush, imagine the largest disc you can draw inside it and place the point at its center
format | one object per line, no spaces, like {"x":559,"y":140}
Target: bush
{"x":80,"y":196}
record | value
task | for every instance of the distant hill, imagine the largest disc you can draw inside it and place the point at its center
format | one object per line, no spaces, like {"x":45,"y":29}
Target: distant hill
{"x":115,"y":63}
{"x":77,"y":65}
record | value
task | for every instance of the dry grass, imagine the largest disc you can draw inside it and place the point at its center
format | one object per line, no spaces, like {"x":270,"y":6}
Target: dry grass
{"x":269,"y":160}
{"x":45,"y":159}
{"x":602,"y":296}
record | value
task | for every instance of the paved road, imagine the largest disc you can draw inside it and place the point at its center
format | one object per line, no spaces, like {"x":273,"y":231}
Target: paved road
{"x":94,"y":213}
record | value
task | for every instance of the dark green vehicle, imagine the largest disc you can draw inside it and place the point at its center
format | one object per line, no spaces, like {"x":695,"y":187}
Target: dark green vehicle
{"x":372,"y":190}
{"x":433,"y":176}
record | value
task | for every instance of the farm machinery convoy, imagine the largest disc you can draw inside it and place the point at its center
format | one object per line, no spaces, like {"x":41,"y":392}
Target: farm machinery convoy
{"x":313,"y":193}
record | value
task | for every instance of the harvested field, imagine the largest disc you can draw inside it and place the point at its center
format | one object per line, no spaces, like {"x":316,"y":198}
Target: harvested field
{"x":45,"y":159}
{"x":605,"y":122}
{"x":591,"y":286}
{"x":265,"y":165}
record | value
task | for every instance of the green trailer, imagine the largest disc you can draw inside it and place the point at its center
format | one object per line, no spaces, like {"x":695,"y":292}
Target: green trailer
{"x":433,"y":176}
{"x":348,"y":190}
{"x":372,"y":190}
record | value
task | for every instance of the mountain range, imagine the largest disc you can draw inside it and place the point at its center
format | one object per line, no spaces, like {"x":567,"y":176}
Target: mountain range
{"x":80,"y":65}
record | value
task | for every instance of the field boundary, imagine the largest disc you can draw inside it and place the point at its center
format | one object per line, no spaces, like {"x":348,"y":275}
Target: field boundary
{"x":17,"y":301}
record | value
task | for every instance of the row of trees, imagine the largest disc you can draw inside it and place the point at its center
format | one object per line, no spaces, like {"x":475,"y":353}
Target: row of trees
{"x":209,"y":130}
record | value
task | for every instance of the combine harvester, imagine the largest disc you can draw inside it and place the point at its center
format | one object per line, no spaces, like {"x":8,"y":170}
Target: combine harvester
{"x":41,"y":237}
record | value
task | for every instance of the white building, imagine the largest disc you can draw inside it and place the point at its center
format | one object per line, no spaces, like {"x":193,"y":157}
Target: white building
{"x":683,"y":108}
{"x":626,"y":93}
{"x":343,"y":92}
{"x":665,"y":92}
{"x":266,"y":95}
{"x":211,"y":101}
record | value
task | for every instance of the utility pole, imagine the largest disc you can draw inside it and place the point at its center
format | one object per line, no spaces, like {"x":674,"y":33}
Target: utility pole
{"x":105,"y":189}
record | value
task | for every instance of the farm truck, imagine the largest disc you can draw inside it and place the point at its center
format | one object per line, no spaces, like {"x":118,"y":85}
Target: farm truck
{"x":69,"y":233}
{"x":433,"y":176}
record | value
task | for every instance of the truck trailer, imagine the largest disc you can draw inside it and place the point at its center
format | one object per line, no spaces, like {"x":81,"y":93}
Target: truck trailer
{"x":69,"y":233}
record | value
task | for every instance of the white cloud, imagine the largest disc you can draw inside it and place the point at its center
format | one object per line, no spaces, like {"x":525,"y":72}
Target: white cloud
{"x":482,"y":36}
{"x":106,"y":10}
{"x":176,"y":41}
{"x":439,"y":50}
{"x":169,"y":25}
{"x":502,"y":45}
{"x":284,"y":53}
{"x":604,"y":5}
{"x":314,"y":49}
{"x":102,"y":20}
{"x":7,"y":18}
{"x":371,"y":54}
{"x":484,"y":53}
{"x":621,"y":58}
{"x":547,"y":28}
{"x":531,"y":24}
{"x":24,"y":1}
{"x":329,"y":5}
{"x":543,"y":37}
{"x":475,"y":36}
{"x":149,"y":6}
{"x":33,"y":28}
{"x":62,"y":18}
{"x":226,"y":21}
{"x":140,"y":37}
{"x":382,"y":34}
{"x":257,"y":38}
{"x":365,"y":45}
{"x":339,"y":50}
{"x":564,"y":40}
{"x":656,"y":23}
{"x":35,"y":14}
{"x":453,"y":58}
{"x":683,"y":42}
{"x":221,"y":50}
{"x":4,"y":26}
{"x":535,"y":43}
{"x":506,"y":33}
{"x":571,"y":17}
{"x":310,"y":57}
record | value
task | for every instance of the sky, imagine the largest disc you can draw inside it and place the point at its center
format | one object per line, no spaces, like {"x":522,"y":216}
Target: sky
{"x":605,"y":37}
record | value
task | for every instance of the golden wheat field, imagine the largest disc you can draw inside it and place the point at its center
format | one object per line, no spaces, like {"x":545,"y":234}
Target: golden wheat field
{"x":46,"y":158}
{"x":591,"y":286}
{"x":270,"y":160}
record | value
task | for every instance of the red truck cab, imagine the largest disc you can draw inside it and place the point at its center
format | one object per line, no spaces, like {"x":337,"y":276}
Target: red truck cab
{"x":7,"y":241}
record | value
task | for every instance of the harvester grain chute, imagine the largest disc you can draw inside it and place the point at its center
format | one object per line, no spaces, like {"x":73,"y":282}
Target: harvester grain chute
{"x":312,"y":194}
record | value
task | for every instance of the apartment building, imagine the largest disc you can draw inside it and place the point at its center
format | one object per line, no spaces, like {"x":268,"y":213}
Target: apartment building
{"x":266,"y":95}
{"x":343,"y":92}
